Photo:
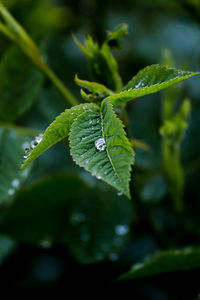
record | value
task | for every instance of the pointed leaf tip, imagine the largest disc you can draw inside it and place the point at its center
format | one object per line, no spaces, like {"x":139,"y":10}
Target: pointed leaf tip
{"x":150,"y":80}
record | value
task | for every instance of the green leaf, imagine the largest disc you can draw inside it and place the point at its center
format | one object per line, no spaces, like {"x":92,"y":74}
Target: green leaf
{"x":94,"y":87}
{"x":11,"y":156}
{"x":103,"y":67}
{"x":164,"y":262}
{"x":39,"y":211}
{"x":61,"y":208}
{"x":150,"y":80}
{"x":114,"y":37}
{"x":98,"y":143}
{"x":57,"y":130}
{"x":20,"y":84}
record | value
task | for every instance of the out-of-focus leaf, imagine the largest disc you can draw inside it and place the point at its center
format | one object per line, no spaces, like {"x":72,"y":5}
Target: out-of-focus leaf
{"x":99,"y":225}
{"x":150,"y":80}
{"x":98,"y":144}
{"x":20,"y":84}
{"x":114,"y":37}
{"x":57,"y":130}
{"x":94,"y":223}
{"x":11,"y":156}
{"x":40,"y":211}
{"x":95,"y":88}
{"x":55,"y":17}
{"x":164,"y":262}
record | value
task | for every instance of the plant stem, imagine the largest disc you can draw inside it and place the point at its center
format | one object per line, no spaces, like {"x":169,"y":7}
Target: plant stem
{"x":174,"y":173}
{"x":15,"y":32}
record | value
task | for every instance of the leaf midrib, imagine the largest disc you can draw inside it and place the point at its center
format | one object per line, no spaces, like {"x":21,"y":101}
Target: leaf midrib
{"x":112,"y":164}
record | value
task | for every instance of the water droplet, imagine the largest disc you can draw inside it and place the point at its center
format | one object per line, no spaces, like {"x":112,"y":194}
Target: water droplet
{"x":34,"y":144}
{"x":26,"y":146}
{"x":85,"y":237}
{"x":100,"y":144}
{"x":138,"y":85}
{"x":98,"y":177}
{"x":119,"y":193}
{"x":27,"y":152}
{"x":11,"y":192}
{"x":121,"y":229}
{"x":15,"y":183}
{"x":113,"y":256}
{"x":83,"y":137}
{"x":39,"y":138}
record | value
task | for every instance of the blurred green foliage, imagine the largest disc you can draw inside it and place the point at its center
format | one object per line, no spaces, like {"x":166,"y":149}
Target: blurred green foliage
{"x":57,"y":217}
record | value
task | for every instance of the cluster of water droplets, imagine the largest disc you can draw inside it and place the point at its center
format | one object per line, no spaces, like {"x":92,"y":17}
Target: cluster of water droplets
{"x":28,"y":147}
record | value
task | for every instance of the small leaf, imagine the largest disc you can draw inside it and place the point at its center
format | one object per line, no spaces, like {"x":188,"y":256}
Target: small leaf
{"x":164,"y":262}
{"x":11,"y":156}
{"x":114,"y":37}
{"x":19,"y":94}
{"x":150,"y":80}
{"x":103,"y":67}
{"x":58,"y":130}
{"x":98,"y":143}
{"x":94,"y":87}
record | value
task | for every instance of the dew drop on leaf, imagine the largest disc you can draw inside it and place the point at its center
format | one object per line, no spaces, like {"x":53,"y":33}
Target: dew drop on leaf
{"x":100,"y":144}
{"x":38,"y":138}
